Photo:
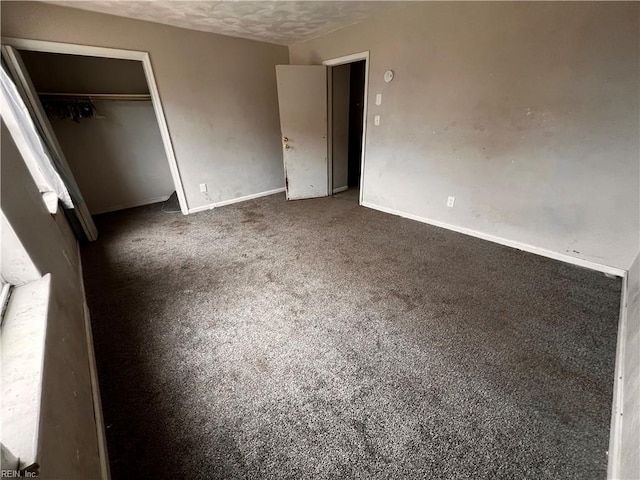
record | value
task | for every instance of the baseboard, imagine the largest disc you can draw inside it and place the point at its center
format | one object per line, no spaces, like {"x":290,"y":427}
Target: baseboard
{"x":141,"y":203}
{"x":340,"y":189}
{"x":95,"y":386}
{"x":502,"y":241}
{"x":615,"y":436}
{"x":211,"y":206}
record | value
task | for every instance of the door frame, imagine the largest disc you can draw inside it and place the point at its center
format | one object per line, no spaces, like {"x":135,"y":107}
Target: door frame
{"x":334,"y":62}
{"x":103,"y":52}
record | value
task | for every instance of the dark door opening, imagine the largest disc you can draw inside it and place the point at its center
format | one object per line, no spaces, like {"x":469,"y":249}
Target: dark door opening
{"x":347,"y":102}
{"x":356,"y":110}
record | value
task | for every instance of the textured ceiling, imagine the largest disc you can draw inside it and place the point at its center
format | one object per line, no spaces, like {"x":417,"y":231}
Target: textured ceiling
{"x":281,"y":22}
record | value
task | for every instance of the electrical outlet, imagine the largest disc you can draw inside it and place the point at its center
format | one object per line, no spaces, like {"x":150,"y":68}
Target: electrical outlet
{"x":203,"y":187}
{"x":376,"y":120}
{"x":451,"y":201}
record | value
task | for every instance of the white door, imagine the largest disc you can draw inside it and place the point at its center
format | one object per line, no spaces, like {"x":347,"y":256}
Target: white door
{"x":302,"y":96}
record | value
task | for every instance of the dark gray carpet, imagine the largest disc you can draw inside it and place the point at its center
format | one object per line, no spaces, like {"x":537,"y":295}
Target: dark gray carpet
{"x":319,"y":339}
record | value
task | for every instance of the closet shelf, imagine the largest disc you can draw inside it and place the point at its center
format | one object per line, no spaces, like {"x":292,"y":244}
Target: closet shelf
{"x":132,"y":97}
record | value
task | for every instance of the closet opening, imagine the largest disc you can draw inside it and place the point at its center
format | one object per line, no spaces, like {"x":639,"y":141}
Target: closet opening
{"x":91,"y":92}
{"x":101,"y":112}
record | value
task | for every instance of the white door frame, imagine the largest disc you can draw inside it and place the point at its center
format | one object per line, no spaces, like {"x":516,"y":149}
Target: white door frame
{"x":90,"y":51}
{"x":354,"y":57}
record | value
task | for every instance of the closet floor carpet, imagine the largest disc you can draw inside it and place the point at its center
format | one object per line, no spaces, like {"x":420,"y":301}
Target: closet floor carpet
{"x":319,"y":339}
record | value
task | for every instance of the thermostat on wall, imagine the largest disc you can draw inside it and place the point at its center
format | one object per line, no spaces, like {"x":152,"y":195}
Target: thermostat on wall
{"x":388,"y":76}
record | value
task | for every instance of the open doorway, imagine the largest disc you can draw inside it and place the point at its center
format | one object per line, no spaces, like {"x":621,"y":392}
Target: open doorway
{"x":347,"y":114}
{"x":356,"y":122}
{"x":314,"y":132}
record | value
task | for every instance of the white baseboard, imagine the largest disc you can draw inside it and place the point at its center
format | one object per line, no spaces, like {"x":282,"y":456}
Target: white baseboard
{"x":502,"y":241}
{"x":211,"y":206}
{"x":340,"y":189}
{"x":141,"y":203}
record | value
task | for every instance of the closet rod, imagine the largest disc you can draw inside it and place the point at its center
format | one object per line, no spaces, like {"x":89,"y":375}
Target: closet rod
{"x":102,"y":96}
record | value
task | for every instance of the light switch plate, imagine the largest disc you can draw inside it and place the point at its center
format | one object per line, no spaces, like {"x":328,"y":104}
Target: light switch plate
{"x":379,"y":99}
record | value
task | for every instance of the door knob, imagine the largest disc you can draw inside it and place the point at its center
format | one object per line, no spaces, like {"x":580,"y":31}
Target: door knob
{"x":287,"y":147}
{"x":285,"y":139}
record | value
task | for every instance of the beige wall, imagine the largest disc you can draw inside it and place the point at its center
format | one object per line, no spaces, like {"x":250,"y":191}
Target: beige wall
{"x":526,"y":112}
{"x":218,"y":93}
{"x":68,"y":445}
